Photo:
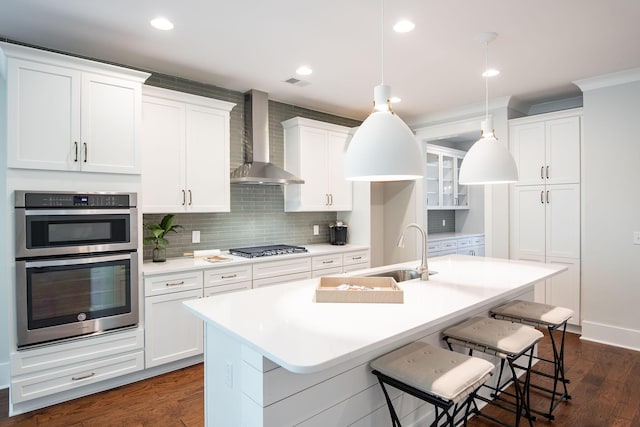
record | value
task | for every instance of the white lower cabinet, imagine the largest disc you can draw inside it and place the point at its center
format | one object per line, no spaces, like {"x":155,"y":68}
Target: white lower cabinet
{"x":468,"y":245}
{"x":171,"y":332}
{"x":355,"y":260}
{"x":325,"y":265}
{"x":43,"y":371}
{"x":227,"y":279}
{"x":281,"y":271}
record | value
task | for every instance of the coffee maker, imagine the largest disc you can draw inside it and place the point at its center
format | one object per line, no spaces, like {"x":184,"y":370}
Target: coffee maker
{"x":338,"y":233}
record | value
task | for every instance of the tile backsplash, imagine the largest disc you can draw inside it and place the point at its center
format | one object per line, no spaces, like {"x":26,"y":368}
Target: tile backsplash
{"x":257,"y":214}
{"x":435,"y":218}
{"x":257,"y":217}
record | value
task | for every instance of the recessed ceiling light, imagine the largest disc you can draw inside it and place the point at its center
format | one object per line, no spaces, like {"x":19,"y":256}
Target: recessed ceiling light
{"x":403,"y":26}
{"x":162,"y":23}
{"x":304,"y":71}
{"x":491,"y":72}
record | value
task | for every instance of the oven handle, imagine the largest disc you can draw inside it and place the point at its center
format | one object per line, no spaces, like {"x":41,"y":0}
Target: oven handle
{"x":78,"y":261}
{"x":28,"y":212}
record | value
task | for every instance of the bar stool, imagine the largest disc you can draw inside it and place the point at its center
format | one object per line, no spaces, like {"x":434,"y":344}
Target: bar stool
{"x":508,"y":341}
{"x":443,"y":378}
{"x":554,"y":319}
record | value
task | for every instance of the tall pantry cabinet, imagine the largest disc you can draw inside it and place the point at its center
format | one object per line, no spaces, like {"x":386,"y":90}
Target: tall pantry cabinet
{"x":545,"y":202}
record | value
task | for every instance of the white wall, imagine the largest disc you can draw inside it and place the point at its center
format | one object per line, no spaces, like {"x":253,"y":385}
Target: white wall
{"x":611,"y":213}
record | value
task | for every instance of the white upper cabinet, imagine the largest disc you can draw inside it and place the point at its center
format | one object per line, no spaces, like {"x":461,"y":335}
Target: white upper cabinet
{"x":442,"y":189}
{"x":546,"y":151}
{"x":314,"y":151}
{"x":71,"y":114}
{"x":185,"y":149}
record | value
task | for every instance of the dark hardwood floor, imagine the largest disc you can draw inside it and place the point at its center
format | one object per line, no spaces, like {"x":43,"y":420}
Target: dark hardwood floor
{"x":605,"y":390}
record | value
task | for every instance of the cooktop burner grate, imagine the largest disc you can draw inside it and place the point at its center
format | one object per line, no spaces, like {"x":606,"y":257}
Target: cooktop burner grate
{"x":269,"y":250}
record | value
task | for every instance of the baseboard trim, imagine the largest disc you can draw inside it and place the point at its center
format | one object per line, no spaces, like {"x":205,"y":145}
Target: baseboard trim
{"x":611,"y":335}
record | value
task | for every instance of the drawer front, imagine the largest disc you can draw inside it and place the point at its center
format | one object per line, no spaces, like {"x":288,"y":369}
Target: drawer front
{"x":226,"y":288}
{"x":168,"y":283}
{"x":268,"y":269}
{"x":227,"y":275}
{"x":74,"y":352}
{"x":354,"y":267}
{"x":448,"y":244}
{"x":326,"y":261}
{"x":433,"y":246}
{"x":477,"y":241}
{"x":464,"y":243}
{"x":276,"y":280}
{"x":355,"y":257}
{"x":52,"y":381}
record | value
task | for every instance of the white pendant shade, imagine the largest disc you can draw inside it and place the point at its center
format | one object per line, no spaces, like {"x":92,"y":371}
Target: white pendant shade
{"x":383,"y":149}
{"x":488,"y":162}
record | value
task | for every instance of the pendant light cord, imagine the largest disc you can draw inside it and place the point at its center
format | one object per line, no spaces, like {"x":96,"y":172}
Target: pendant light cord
{"x":382,"y":41}
{"x":486,"y":81}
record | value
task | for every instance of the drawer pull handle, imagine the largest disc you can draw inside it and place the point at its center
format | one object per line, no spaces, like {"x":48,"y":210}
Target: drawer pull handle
{"x":175,"y":283}
{"x":231,"y":276}
{"x":356,"y":257}
{"x":83,"y":377}
{"x":327,"y":262}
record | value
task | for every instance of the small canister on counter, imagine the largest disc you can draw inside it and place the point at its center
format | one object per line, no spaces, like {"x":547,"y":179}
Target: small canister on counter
{"x":338,"y":233}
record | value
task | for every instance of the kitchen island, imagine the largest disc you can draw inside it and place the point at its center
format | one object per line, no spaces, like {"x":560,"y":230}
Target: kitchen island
{"x":275,"y":357}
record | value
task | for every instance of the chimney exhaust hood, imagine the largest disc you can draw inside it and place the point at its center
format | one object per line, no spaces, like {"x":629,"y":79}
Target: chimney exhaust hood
{"x":257,"y":169}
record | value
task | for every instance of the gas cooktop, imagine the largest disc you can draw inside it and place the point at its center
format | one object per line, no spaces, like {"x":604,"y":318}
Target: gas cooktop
{"x":269,"y":250}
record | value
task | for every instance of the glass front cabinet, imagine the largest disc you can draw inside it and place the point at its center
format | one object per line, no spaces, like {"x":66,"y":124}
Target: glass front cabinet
{"x":443,"y":191}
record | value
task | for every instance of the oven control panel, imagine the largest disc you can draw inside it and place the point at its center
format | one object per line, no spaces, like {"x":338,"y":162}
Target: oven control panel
{"x":74,"y":200}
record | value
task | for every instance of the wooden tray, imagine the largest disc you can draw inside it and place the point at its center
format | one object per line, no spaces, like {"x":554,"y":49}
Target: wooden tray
{"x":376,"y":290}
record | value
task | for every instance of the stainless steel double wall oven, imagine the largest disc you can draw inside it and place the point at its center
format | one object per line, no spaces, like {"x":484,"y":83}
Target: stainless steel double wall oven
{"x":76,"y":264}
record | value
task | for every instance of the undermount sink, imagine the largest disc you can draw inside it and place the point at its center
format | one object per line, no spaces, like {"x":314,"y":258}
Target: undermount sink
{"x":398,"y":275}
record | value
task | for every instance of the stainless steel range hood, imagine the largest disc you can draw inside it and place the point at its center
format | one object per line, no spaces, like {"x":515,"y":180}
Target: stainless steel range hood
{"x":257,"y":169}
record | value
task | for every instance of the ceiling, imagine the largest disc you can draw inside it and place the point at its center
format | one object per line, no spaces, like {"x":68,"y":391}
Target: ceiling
{"x":542,"y":46}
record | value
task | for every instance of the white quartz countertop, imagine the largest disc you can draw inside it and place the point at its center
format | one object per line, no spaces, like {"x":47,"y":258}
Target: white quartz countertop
{"x":286,"y":325}
{"x":175,"y":265}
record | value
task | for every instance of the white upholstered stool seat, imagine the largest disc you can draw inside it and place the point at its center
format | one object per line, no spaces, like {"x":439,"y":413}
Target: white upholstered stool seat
{"x":493,"y":336}
{"x":533,"y":313}
{"x":439,"y":376}
{"x":508,"y":341}
{"x":553,"y":318}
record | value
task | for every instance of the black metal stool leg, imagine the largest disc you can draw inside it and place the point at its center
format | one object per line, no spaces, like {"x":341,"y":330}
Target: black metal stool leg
{"x":395,"y":422}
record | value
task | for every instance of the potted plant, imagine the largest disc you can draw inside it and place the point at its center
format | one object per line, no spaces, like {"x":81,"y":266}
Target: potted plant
{"x":158,"y":239}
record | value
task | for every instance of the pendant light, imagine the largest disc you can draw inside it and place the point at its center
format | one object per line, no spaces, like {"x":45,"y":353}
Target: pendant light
{"x":488,"y":161}
{"x":383,"y":148}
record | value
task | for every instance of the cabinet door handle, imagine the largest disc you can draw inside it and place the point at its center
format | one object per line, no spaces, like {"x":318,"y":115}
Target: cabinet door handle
{"x":326,"y":199}
{"x":175,"y":283}
{"x":85,"y":152}
{"x":542,"y":197}
{"x":547,"y":171}
{"x":190,"y":198}
{"x":184,"y":197}
{"x":541,"y":172}
{"x":75,"y":145}
{"x":231,"y":276}
{"x":83,"y":377}
{"x":330,"y":199}
{"x":547,"y":196}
